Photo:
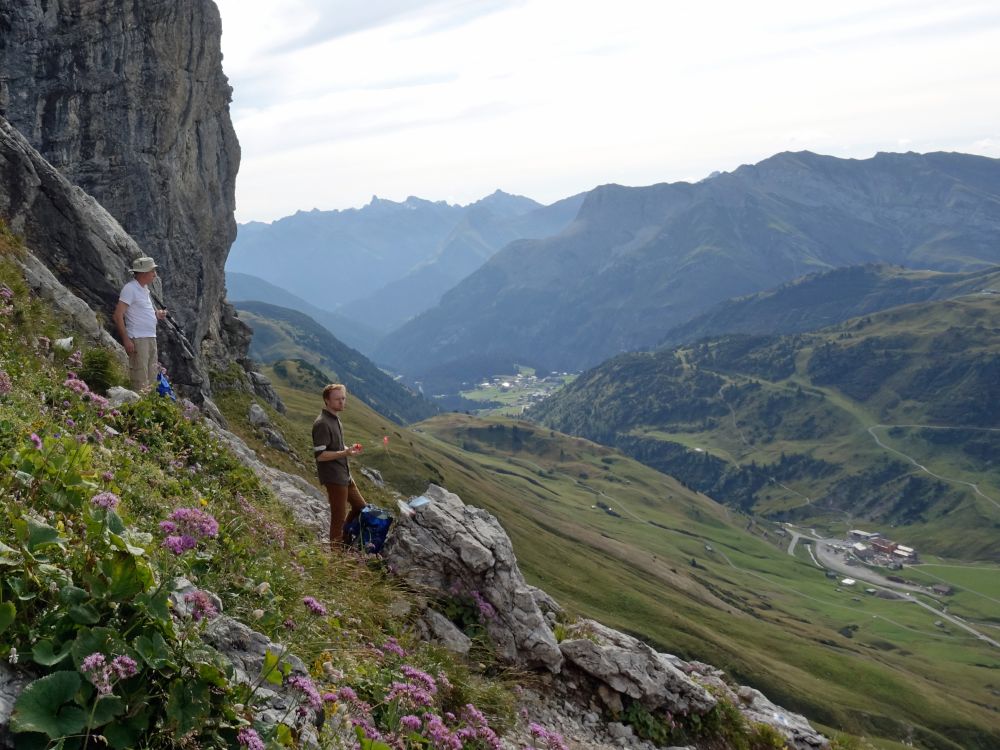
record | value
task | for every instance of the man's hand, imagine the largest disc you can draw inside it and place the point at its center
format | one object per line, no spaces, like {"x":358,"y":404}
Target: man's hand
{"x":129,"y":345}
{"x":161,"y":314}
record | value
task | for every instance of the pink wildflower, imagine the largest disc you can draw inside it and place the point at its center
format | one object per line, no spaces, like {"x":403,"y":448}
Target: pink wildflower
{"x":106,"y":500}
{"x":249,"y":739}
{"x":314,"y":606}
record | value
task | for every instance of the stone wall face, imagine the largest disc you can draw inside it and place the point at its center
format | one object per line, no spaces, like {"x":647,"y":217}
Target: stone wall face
{"x":128,"y":100}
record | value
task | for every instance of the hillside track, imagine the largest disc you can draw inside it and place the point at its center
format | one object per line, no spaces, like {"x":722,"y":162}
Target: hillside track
{"x":972,"y":485}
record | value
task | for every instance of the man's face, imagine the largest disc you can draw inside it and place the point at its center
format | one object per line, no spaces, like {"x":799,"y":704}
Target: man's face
{"x":335,"y":401}
{"x":146,"y":277}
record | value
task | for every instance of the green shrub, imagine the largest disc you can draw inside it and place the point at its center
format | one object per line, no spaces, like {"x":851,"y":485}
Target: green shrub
{"x":100,"y":370}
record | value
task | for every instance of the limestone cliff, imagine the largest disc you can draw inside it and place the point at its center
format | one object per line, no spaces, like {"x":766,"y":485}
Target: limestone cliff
{"x":129,"y":101}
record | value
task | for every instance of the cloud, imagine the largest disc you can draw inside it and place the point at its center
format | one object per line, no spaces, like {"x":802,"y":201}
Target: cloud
{"x":343,"y":17}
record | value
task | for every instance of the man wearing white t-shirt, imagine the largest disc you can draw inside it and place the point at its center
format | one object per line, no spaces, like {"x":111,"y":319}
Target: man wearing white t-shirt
{"x":136,"y":319}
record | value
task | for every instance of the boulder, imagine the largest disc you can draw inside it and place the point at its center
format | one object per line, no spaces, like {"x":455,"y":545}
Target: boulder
{"x":258,"y":417}
{"x":632,"y":668}
{"x":12,"y":682}
{"x":433,"y":626}
{"x":263,"y":388}
{"x":118,"y":396}
{"x":450,"y":548}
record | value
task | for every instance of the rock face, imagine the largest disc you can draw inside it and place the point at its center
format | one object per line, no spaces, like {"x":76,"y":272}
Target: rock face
{"x":449,"y":547}
{"x":128,"y":100}
{"x":632,"y":668}
{"x":73,"y":243}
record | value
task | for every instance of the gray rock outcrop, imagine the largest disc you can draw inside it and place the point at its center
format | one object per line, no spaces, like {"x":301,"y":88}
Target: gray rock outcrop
{"x":633,"y":669}
{"x":448,"y":547}
{"x":12,"y":682}
{"x":129,"y":102}
{"x":308,"y":504}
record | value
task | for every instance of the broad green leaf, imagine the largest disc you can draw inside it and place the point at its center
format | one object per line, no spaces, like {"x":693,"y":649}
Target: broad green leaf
{"x":283,"y":734}
{"x":9,"y":555}
{"x":7,"y":614}
{"x":42,"y":535}
{"x":271,"y":670}
{"x":153,"y":650}
{"x":73,"y":595}
{"x":187,"y":705}
{"x":369,"y":744}
{"x":125,"y":733}
{"x":42,"y":706}
{"x":125,"y":579}
{"x":106,"y":709}
{"x":120,"y":542}
{"x":44,"y":653}
{"x":84,"y":614}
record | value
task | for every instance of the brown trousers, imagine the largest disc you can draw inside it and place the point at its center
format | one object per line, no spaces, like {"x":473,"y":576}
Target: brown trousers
{"x":340,"y":495}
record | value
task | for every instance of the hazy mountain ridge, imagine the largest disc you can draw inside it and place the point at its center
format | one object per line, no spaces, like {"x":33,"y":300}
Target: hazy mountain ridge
{"x":280,"y":334}
{"x":476,"y":237}
{"x":244,"y":287}
{"x":740,"y":417}
{"x":822,"y":299}
{"x":398,"y":257}
{"x":651,"y":258}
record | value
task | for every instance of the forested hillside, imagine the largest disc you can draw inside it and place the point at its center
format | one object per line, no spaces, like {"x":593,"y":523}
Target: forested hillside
{"x":821,"y":425}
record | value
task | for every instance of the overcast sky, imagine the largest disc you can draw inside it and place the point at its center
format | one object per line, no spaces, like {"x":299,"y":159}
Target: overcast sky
{"x":338,"y":100}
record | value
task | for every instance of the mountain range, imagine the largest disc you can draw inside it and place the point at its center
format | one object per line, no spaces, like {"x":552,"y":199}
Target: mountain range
{"x":637,"y":262}
{"x":389,"y":261}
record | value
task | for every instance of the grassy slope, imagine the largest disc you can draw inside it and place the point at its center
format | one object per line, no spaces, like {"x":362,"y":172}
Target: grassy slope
{"x":768,"y":618}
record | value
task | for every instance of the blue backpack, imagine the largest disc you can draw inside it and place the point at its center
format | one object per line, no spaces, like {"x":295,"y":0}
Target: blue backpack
{"x":369,"y":530}
{"x":163,"y":387}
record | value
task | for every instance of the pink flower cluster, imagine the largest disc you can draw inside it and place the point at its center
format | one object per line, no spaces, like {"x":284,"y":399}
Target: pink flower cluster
{"x":185,"y":527}
{"x":314,"y":606}
{"x":202,"y":606}
{"x":6,"y":293}
{"x":106,"y":500}
{"x":553,"y":740}
{"x":6,"y":385}
{"x":273,"y":533}
{"x":308,"y":689}
{"x":391,"y":646}
{"x":96,"y":669}
{"x":485,"y":608}
{"x":249,"y":739}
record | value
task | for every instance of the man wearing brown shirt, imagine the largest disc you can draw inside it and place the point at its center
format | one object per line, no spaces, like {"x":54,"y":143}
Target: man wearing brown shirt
{"x":331,"y":463}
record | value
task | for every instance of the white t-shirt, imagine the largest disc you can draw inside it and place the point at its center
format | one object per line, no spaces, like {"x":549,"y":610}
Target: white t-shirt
{"x":140,"y":317}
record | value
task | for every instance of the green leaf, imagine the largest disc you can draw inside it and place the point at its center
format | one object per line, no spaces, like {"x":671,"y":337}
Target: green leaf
{"x":44,"y":653}
{"x":283,"y":734}
{"x":124,"y":546}
{"x":42,"y":535}
{"x":153,"y":650}
{"x":156,"y":607}
{"x":125,"y":579}
{"x":106,"y":709}
{"x":73,"y":595}
{"x":125,"y":733}
{"x":84,"y":614}
{"x":9,"y":555}
{"x":7,"y":614}
{"x":187,"y":705}
{"x":272,"y":672}
{"x":42,"y":706}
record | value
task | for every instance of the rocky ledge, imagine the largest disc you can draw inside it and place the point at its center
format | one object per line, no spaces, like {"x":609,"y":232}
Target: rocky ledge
{"x":581,"y":686}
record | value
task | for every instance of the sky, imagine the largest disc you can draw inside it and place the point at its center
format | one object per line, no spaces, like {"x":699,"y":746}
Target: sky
{"x":338,"y":100}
